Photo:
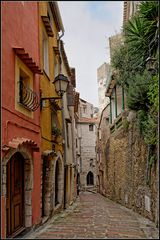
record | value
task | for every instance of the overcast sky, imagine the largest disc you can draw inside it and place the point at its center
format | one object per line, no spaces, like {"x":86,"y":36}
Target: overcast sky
{"x":88,"y":25}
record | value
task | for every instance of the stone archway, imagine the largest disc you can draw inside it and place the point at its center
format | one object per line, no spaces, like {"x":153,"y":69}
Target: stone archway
{"x":58,"y":182}
{"x":27,"y":158}
{"x":90,"y":178}
{"x":47,"y":185}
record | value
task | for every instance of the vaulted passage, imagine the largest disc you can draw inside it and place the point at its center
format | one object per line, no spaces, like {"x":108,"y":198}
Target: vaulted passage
{"x":90,"y":178}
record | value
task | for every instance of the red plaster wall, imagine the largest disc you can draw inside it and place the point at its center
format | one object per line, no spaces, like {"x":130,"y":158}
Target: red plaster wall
{"x":20,"y":28}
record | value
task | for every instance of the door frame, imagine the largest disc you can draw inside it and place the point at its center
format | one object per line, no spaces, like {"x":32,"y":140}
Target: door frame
{"x":27,"y":154}
{"x":10,"y":188}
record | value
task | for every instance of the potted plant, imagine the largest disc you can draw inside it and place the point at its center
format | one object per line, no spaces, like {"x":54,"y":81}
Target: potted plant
{"x":55,"y":132}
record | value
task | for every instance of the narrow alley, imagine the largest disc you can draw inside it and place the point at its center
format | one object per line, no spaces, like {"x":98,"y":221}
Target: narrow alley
{"x":94,"y":216}
{"x":79,"y":154}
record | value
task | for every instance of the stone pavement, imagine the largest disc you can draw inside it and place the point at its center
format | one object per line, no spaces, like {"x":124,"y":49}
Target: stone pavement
{"x":94,"y":216}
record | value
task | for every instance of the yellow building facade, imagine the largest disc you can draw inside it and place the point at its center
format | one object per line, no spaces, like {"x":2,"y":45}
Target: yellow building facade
{"x":50,"y":30}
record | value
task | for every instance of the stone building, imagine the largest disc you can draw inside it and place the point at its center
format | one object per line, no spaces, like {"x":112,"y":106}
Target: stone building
{"x":102,"y":72}
{"x":123,"y":166}
{"x":124,"y":173}
{"x":114,"y":92}
{"x":87,"y":130}
{"x":114,"y":42}
{"x":129,"y":8}
{"x":102,"y":136}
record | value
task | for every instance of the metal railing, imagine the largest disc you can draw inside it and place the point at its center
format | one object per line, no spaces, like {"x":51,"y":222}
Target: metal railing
{"x":28,"y":98}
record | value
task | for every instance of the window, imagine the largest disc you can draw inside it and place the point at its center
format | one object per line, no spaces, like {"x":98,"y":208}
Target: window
{"x":76,"y":143}
{"x":24,"y":93}
{"x":91,"y":127}
{"x":23,"y":83}
{"x":84,"y":109}
{"x":107,"y":120}
{"x":81,"y":111}
{"x":54,"y":120}
{"x":49,"y":15}
{"x":91,"y":162}
{"x":45,"y":54}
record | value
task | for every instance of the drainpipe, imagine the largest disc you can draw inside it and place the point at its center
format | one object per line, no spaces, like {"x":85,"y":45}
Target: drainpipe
{"x":63,"y":125}
{"x":110,"y":110}
{"x":115,"y":92}
{"x":123,"y":106}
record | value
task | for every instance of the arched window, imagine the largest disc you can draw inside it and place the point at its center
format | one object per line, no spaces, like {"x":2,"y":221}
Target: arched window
{"x":90,"y":178}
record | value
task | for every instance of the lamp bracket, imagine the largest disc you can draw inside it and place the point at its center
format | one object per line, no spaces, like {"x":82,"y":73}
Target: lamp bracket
{"x":50,"y":98}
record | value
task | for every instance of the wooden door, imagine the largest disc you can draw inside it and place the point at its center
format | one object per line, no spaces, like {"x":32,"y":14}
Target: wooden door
{"x":15,"y":195}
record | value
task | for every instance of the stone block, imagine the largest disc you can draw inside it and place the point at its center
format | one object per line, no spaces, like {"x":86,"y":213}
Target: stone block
{"x":28,"y":221}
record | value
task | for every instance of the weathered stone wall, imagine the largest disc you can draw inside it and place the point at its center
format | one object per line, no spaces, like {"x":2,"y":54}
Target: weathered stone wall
{"x":88,"y":143}
{"x":125,"y":159}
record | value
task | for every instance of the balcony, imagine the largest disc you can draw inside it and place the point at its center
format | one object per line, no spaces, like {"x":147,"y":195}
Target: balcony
{"x":28,"y":98}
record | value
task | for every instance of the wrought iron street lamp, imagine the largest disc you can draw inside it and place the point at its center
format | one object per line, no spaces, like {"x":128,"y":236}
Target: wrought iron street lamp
{"x":61,"y":84}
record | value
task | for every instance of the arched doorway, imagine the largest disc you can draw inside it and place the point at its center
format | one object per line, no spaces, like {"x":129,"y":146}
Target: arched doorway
{"x":90,"y":178}
{"x":58,"y":183}
{"x":15,"y":194}
{"x":78,"y":179}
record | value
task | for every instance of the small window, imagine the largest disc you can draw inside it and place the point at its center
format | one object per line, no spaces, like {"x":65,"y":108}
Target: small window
{"x":54,"y":120}
{"x":49,"y":15}
{"x":107,"y":120}
{"x":76,"y":143}
{"x":91,"y":162}
{"x":90,"y":127}
{"x":23,"y":83}
{"x":84,"y":109}
{"x":25,"y":97}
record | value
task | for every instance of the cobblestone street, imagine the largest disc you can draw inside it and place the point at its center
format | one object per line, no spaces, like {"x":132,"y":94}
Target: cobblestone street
{"x":94,"y":216}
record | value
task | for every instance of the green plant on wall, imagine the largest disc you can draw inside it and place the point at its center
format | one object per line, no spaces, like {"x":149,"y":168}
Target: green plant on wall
{"x":129,"y":61}
{"x":125,"y":124}
{"x":56,"y":131}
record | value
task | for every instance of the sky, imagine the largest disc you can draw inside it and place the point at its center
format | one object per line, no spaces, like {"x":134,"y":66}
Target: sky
{"x":88,"y":25}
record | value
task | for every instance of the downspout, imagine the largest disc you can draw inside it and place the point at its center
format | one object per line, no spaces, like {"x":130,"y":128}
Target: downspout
{"x":115,"y":92}
{"x":123,"y":105}
{"x":63,"y":123}
{"x":110,"y":110}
